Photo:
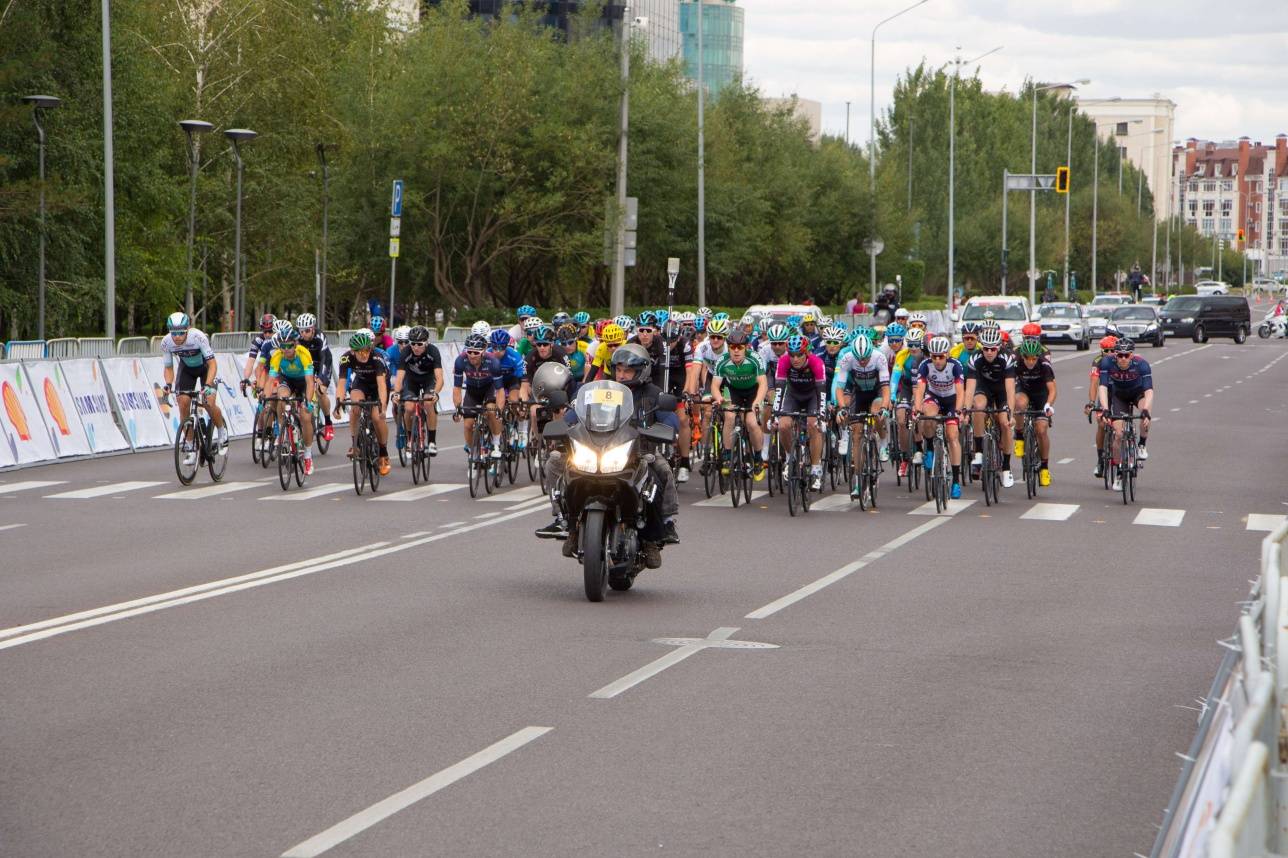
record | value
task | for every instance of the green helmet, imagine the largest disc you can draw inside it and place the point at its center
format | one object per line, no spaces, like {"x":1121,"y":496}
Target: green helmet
{"x":1030,"y":348}
{"x":778,"y":333}
{"x":862,"y":347}
{"x":359,"y":340}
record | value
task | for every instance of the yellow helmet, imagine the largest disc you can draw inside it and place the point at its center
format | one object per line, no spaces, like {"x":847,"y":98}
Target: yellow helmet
{"x":612,"y":335}
{"x":808,"y":318}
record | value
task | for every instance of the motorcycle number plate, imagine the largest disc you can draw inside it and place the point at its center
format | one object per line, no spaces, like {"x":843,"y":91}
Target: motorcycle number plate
{"x":605,"y":396}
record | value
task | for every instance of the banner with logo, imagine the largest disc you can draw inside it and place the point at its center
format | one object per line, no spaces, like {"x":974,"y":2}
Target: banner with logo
{"x":21,"y":422}
{"x":239,"y":411}
{"x":336,"y":352}
{"x":154,"y":369}
{"x":54,"y":396}
{"x":136,"y":402}
{"x":448,"y":352}
{"x":93,"y":404}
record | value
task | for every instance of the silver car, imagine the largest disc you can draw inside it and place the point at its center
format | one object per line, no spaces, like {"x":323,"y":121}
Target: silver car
{"x":1097,"y":320}
{"x":1062,"y":322}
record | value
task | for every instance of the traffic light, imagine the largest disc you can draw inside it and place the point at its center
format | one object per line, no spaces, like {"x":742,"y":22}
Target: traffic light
{"x":1240,"y":234}
{"x":1062,"y":180}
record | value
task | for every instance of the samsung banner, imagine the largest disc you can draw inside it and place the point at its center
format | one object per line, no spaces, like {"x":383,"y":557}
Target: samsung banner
{"x":54,"y":397}
{"x":93,"y":404}
{"x":239,"y":411}
{"x":136,"y":402}
{"x":21,"y":422}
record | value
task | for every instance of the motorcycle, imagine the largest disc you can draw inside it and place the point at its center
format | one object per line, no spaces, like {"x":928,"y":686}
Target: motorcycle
{"x":608,"y":489}
{"x":1273,"y":326}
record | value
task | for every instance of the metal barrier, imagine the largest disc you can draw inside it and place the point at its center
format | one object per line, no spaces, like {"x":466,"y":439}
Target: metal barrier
{"x":63,"y":347}
{"x":97,"y":347}
{"x":154,"y":344}
{"x":132,"y":346}
{"x":236,"y":341}
{"x":24,"y":349}
{"x":332,"y":337}
{"x":343,"y":340}
{"x":433,"y":334}
{"x":452,"y":334}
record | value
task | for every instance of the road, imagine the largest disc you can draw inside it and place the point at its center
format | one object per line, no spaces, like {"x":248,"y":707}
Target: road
{"x":243,"y":674}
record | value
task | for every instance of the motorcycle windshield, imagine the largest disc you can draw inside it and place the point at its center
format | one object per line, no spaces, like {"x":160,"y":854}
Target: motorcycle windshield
{"x":604,"y":406}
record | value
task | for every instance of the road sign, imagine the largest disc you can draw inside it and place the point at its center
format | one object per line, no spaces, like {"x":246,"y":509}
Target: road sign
{"x":395,"y":227}
{"x":1062,"y":180}
{"x":395,"y":207}
{"x":393,"y":248}
{"x":632,"y":212}
{"x":873,"y":246}
{"x":1030,"y":181}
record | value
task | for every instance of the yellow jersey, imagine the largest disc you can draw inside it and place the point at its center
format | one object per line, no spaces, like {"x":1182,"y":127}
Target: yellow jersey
{"x":299,"y":366}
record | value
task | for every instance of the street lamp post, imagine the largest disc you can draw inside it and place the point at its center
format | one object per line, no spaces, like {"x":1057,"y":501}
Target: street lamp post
{"x":326,"y":203}
{"x":237,"y":136}
{"x":1033,"y":194}
{"x":191,"y":128}
{"x":617,"y":300}
{"x":872,"y":142}
{"x":702,"y":165}
{"x":1068,"y":162}
{"x":952,"y":170}
{"x":41,"y":103}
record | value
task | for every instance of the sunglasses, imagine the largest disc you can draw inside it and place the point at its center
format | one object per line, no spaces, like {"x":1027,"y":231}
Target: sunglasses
{"x":178,"y":335}
{"x":737,"y":346}
{"x":420,"y":345}
{"x":1121,"y":356}
{"x":939,"y":357}
{"x":715,"y":337}
{"x":468,"y":353}
{"x":646,"y":330}
{"x":990,"y":349}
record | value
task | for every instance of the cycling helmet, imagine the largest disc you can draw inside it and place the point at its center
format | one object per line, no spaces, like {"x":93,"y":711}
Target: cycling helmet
{"x":970,"y":328}
{"x":939,"y":345}
{"x":1006,"y":338}
{"x":1124,"y":347}
{"x":863,"y":330}
{"x":544,"y":336}
{"x":896,"y":331}
{"x":841,"y":326}
{"x":180,"y":322}
{"x":721,"y":315}
{"x":700,"y":324}
{"x":560,"y":318}
{"x":901,"y":313}
{"x":500,"y":339}
{"x":878,"y":334}
{"x":663,"y":316}
{"x":476,"y":343}
{"x":917,"y":319}
{"x":481,"y":328}
{"x":623,"y":321}
{"x":797,"y":345}
{"x":648,"y":319}
{"x":286,"y":339}
{"x":833,"y":334}
{"x":306,"y":320}
{"x":281,"y":326}
{"x":809,"y":319}
{"x":581,"y":317}
{"x":862,"y":347}
{"x":1029,"y":348}
{"x":418,"y":334}
{"x":1032,"y":329}
{"x":747,"y":320}
{"x":990,"y":322}
{"x":377,"y":324}
{"x":990,"y":338}
{"x":916,"y":339}
{"x":794,"y":320}
{"x":525,"y":311}
{"x":705,"y":312}
{"x":763,"y":325}
{"x":718,"y":328}
{"x":778,"y":333}
{"x":360,"y":340}
{"x":612,"y":334}
{"x":599,"y":326}
{"x":737,"y":337}
{"x":635,"y":356}
{"x":266,"y":323}
{"x":531,"y":324}
{"x":549,"y":377}
{"x":400,"y":333}
{"x":1108,"y":343}
{"x":567,"y":332}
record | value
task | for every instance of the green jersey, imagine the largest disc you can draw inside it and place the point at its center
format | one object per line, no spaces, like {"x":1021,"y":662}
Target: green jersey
{"x":740,"y":376}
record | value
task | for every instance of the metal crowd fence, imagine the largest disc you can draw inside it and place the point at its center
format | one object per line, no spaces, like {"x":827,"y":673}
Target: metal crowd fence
{"x":132,"y":346}
{"x":24,"y":349}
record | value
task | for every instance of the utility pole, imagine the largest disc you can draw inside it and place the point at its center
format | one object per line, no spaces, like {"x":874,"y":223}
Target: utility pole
{"x":618,"y":298}
{"x":702,"y":171}
{"x":109,"y":181}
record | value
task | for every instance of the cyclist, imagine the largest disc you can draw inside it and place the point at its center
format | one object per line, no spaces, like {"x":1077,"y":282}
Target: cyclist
{"x":545,"y":350}
{"x":582,"y":320}
{"x":739,"y":380}
{"x":393,"y":355}
{"x":809,"y":330}
{"x":524,"y":344}
{"x":862,"y":386}
{"x":939,"y":389}
{"x":477,"y":386}
{"x":893,"y":344}
{"x":918,"y":320}
{"x":771,"y":351}
{"x":1035,"y":391}
{"x":706,"y":356}
{"x":990,"y":383}
{"x":1126,"y":382}
{"x":420,"y":371}
{"x":1106,"y":350}
{"x":523,"y":313}
{"x":901,"y":383}
{"x":513,"y":373}
{"x":190,"y":347}
{"x":292,"y":367}
{"x":966,"y":349}
{"x":801,"y":389}
{"x":380,"y":337}
{"x":314,"y":340}
{"x":265,"y":335}
{"x":574,"y":352}
{"x":832,"y":340}
{"x":365,"y":375}
{"x":611,"y":337}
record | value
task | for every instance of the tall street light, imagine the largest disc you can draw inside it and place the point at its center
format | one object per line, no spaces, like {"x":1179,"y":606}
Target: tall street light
{"x":41,"y":103}
{"x":872,"y":142}
{"x":1095,"y":195}
{"x":952,"y":167}
{"x":1033,"y":195}
{"x":617,"y":300}
{"x":192,"y":128}
{"x":237,"y":136}
{"x":109,"y":180}
{"x":1068,"y":162}
{"x":326,"y":203}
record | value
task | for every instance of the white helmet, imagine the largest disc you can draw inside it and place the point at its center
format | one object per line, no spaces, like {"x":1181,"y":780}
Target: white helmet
{"x":532,"y":323}
{"x":918,"y":317}
{"x":282,"y":326}
{"x":939,"y":345}
{"x":306,"y":320}
{"x":901,"y":313}
{"x":482,"y":328}
{"x":402,"y":333}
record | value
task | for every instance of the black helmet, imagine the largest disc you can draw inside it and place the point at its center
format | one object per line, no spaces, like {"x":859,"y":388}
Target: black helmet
{"x":476,"y":343}
{"x":418,"y":334}
{"x":737,"y":337}
{"x":637,"y":357}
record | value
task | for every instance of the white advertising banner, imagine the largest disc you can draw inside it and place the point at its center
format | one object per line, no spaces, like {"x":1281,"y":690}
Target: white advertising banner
{"x":336,"y":352}
{"x":93,"y":404}
{"x":54,"y":396}
{"x":239,"y":411}
{"x":6,"y":454}
{"x":136,"y":401}
{"x":448,"y":352}
{"x":154,"y":369}
{"x":21,"y":422}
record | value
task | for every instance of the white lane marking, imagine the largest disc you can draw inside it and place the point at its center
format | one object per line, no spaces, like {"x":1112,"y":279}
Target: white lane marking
{"x":451,"y":524}
{"x":311,"y":492}
{"x":111,"y":613}
{"x":1176,"y":409}
{"x":403,"y":799}
{"x":207,"y":491}
{"x":114,"y":488}
{"x":415,"y":535}
{"x":1065,"y":461}
{"x":954,"y":507}
{"x":1262,"y":521}
{"x":422,"y":492}
{"x":12,"y":526}
{"x":1182,"y":354}
{"x":530,"y":504}
{"x":1238,"y":381}
{"x":6,"y":488}
{"x":833,"y":503}
{"x":515,"y":495}
{"x":846,"y":570}
{"x":1194,"y":402}
{"x":1160,"y":517}
{"x":723,"y":500}
{"x":487,"y":515}
{"x":718,"y":639}
{"x":1050,"y":511}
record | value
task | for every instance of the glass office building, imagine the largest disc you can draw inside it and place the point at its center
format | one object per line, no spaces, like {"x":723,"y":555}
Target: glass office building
{"x":721,"y":42}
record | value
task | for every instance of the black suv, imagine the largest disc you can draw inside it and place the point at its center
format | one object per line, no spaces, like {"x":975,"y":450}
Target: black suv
{"x":1203,"y":316}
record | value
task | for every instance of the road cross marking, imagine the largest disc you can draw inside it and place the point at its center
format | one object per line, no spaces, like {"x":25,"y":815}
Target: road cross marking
{"x":421,"y":492}
{"x":1160,"y":517}
{"x":525,"y":493}
{"x":403,"y":799}
{"x":1050,"y":511}
{"x":12,"y":526}
{"x":310,"y":493}
{"x":6,"y":488}
{"x":954,"y":507}
{"x":723,"y":500}
{"x":833,"y":503}
{"x":718,"y":639}
{"x":1268,"y":523}
{"x":1065,"y":461}
{"x":112,"y":489}
{"x":207,"y":491}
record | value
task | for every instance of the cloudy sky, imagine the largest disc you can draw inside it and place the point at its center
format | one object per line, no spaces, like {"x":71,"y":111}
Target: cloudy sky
{"x":1226,"y":67}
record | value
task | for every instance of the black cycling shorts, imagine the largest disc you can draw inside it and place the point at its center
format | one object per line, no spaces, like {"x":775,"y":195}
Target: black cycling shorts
{"x":296,"y":386}
{"x":414,"y":386}
{"x":476,"y":398}
{"x":994,"y":397}
{"x":1124,"y":404}
{"x":861,"y":403}
{"x":806,"y":402}
{"x":191,"y":377}
{"x":744,"y":397}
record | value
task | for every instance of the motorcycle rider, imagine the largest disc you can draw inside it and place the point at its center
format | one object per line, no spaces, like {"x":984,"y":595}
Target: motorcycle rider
{"x":633,"y":367}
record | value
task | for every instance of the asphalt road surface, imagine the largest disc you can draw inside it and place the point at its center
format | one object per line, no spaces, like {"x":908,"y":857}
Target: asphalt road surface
{"x":259,"y":673}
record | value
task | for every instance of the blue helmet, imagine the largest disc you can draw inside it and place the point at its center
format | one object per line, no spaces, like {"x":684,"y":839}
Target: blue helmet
{"x":895,"y":331}
{"x":500,"y":338}
{"x":525,"y":311}
{"x":377,"y":323}
{"x":581,"y":317}
{"x":700,"y":324}
{"x":797,"y":345}
{"x":721,"y":315}
{"x":648,"y":319}
{"x":795,"y":320}
{"x":663,"y":316}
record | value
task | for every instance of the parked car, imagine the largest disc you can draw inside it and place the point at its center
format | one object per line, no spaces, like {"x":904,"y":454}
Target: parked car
{"x":1212,"y":287}
{"x":1063,"y":322}
{"x":1203,"y":316}
{"x":1138,"y":322}
{"x":1010,"y":312}
{"x":1110,"y":299}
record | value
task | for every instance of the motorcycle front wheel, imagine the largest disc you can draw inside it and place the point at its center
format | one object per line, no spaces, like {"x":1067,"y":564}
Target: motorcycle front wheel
{"x":594,"y":560}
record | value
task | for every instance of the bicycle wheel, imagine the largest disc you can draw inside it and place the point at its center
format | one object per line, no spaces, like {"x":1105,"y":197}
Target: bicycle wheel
{"x":748,"y":466}
{"x":512,"y":454}
{"x":417,"y":444}
{"x":493,"y":467}
{"x":803,"y":472}
{"x":264,"y":440}
{"x":968,"y":449}
{"x":217,"y":460}
{"x":735,"y":470}
{"x":319,"y":428}
{"x":254,"y":435}
{"x":298,"y":459}
{"x":404,"y":453}
{"x":710,"y":461}
{"x":940,"y":488}
{"x":185,"y":452}
{"x":792,"y":488}
{"x":286,"y":454}
{"x":859,"y":472}
{"x":988,"y":470}
{"x":373,"y":458}
{"x":874,"y":471}
{"x":359,"y":462}
{"x":530,"y":456}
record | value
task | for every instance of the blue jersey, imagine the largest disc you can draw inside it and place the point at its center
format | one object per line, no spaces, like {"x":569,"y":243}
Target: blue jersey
{"x":511,"y":363}
{"x":1126,"y":382}
{"x":393,"y":357}
{"x":484,"y":377}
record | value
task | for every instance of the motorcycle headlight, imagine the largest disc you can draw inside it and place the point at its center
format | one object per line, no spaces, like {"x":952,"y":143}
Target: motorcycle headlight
{"x":615,"y":459}
{"x":584,"y":458}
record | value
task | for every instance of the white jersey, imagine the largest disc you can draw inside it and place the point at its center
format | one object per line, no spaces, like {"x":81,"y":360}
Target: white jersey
{"x":865,"y":377}
{"x":889,"y":353}
{"x":194,"y":351}
{"x":709,"y":356}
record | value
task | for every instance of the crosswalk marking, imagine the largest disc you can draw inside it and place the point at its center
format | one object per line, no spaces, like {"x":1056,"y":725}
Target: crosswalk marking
{"x":833,"y":503}
{"x":1065,"y":461}
{"x":421,"y":492}
{"x":1263,"y":521}
{"x":7,"y":488}
{"x":208,"y":491}
{"x":311,"y":492}
{"x":1051,"y":511}
{"x":954,"y":507}
{"x":12,"y":526}
{"x":723,"y":500}
{"x":112,"y":489}
{"x":1160,"y":517}
{"x":525,"y":493}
